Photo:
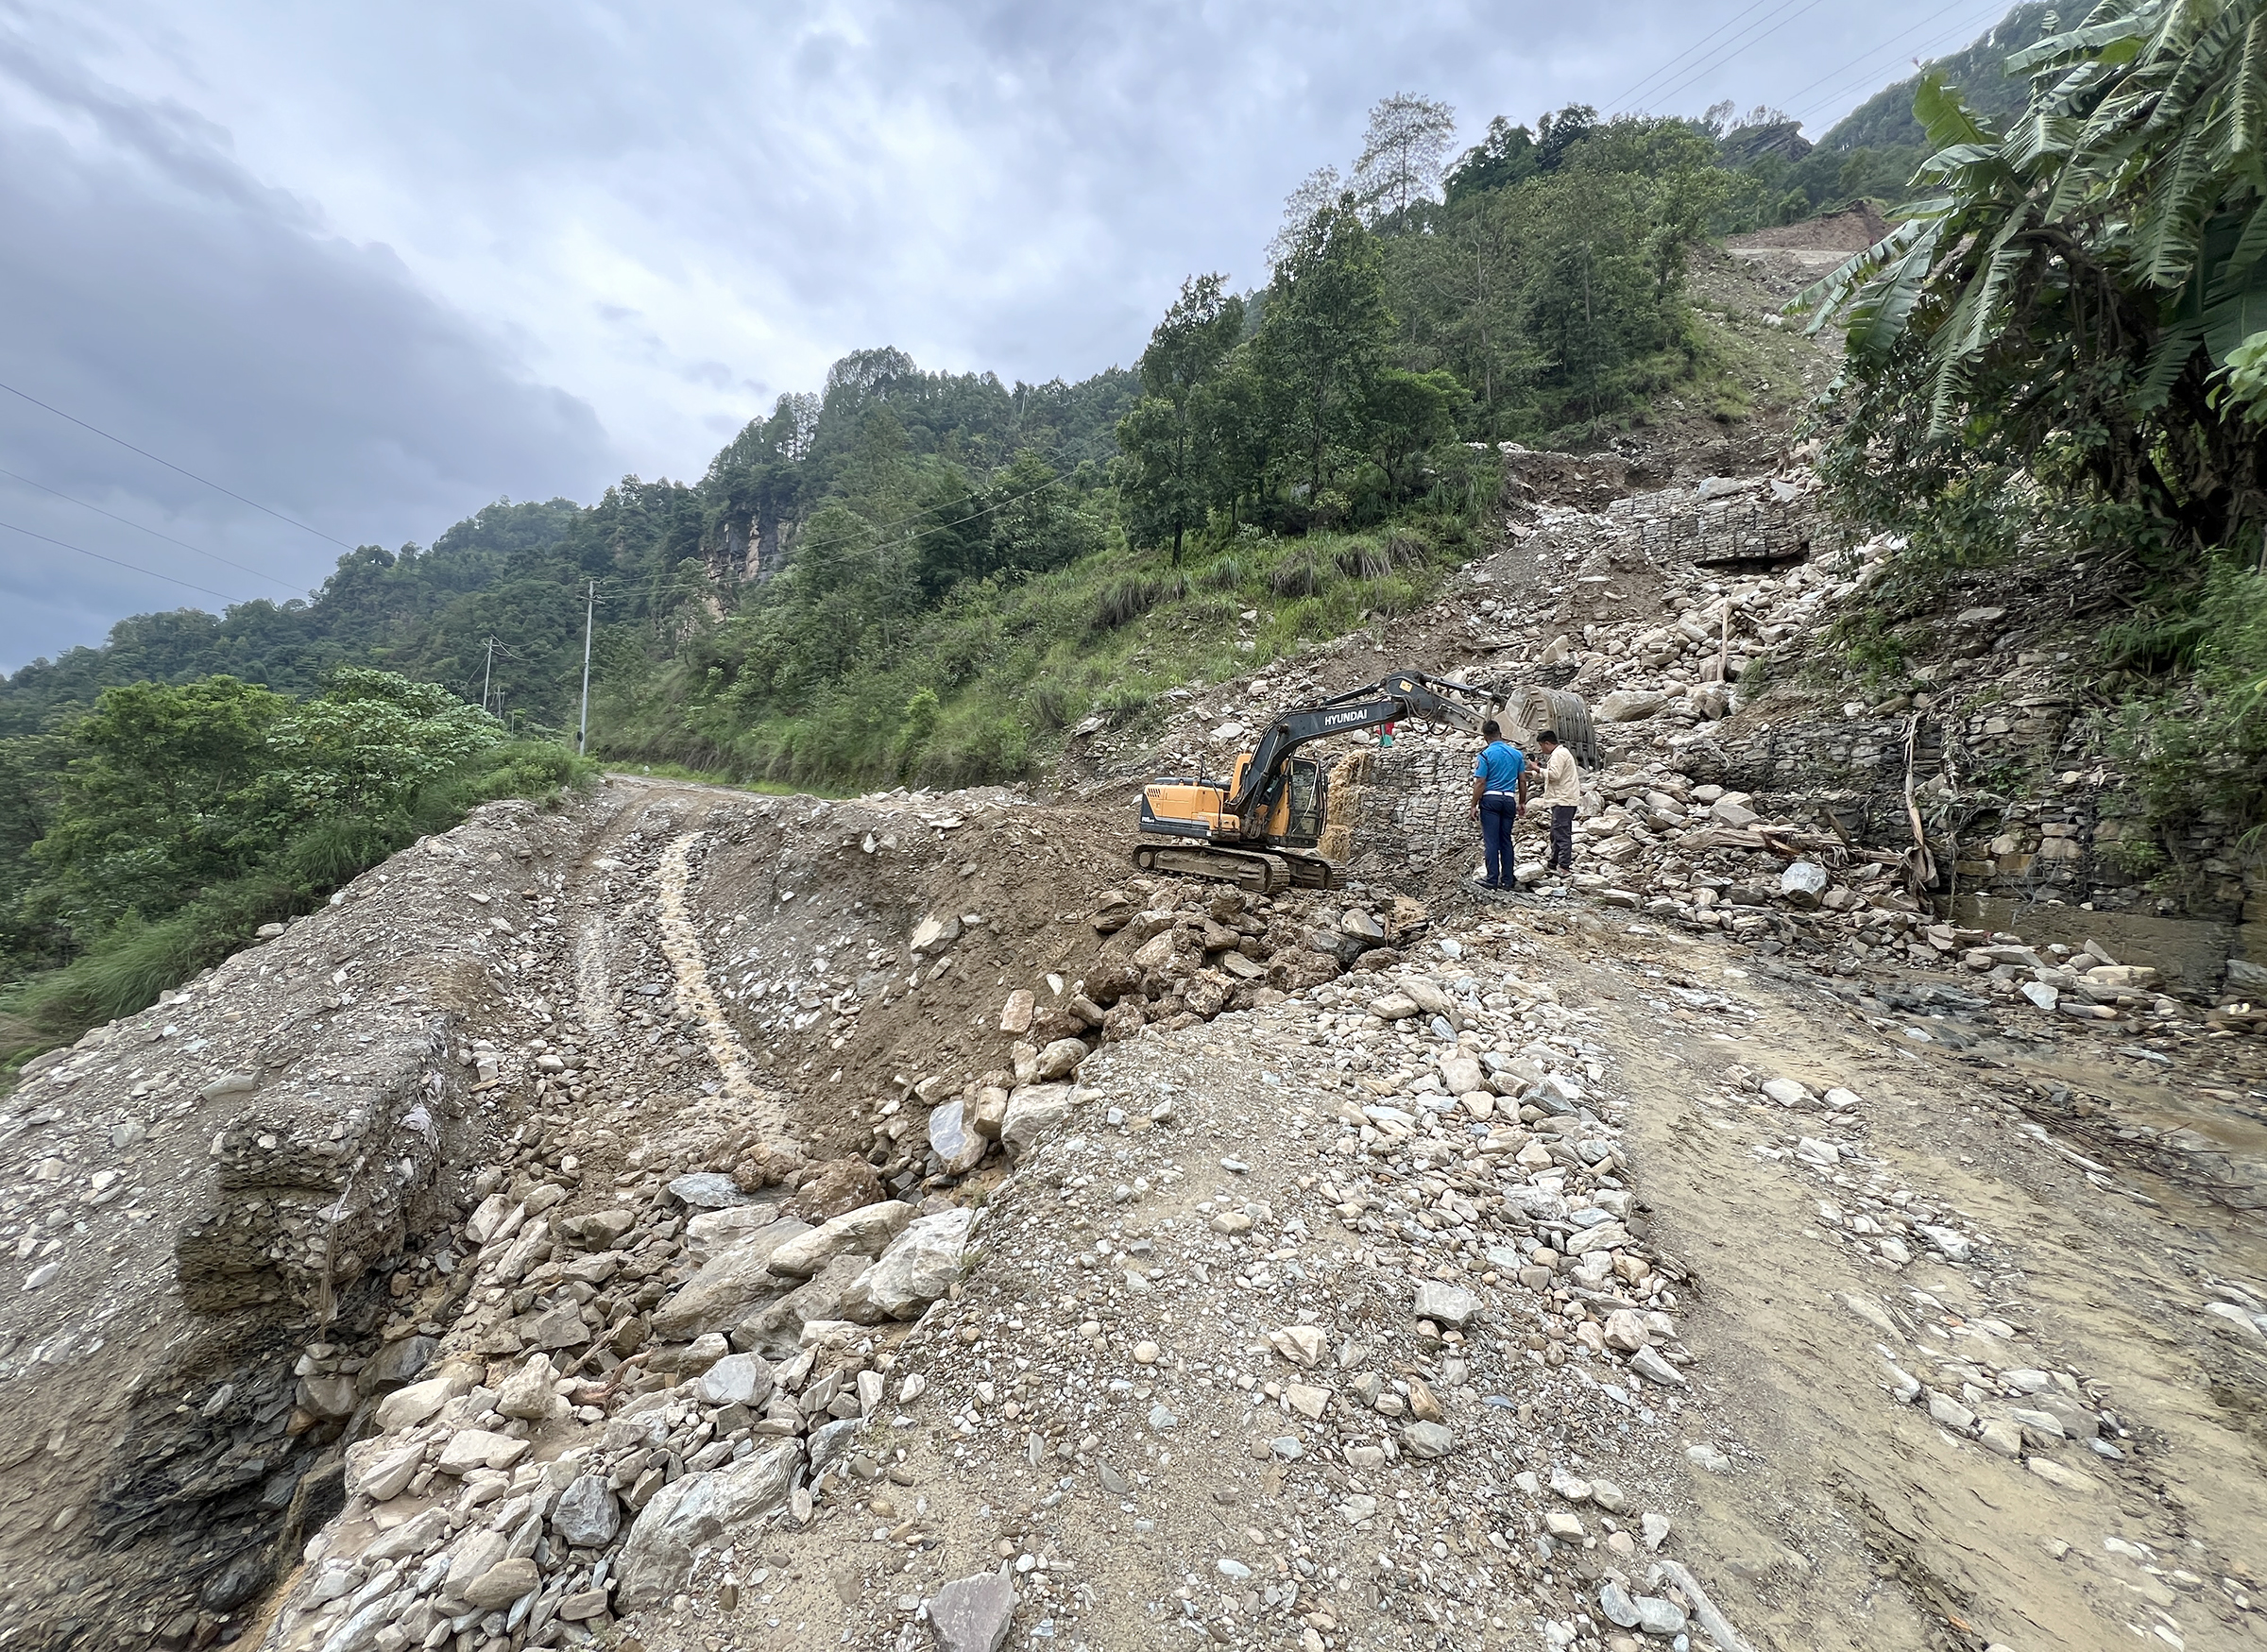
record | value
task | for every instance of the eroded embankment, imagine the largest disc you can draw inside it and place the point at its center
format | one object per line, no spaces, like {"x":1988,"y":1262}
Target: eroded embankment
{"x":217,"y":1206}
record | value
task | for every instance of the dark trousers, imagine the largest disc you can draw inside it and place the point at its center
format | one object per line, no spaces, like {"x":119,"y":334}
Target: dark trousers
{"x":1562,"y":835}
{"x":1497,"y":812}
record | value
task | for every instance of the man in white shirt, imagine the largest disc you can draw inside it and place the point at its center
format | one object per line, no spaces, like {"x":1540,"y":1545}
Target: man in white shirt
{"x":1561,"y":796}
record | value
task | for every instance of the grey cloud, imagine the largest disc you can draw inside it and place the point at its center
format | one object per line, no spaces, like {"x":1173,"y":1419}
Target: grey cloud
{"x":160,"y":291}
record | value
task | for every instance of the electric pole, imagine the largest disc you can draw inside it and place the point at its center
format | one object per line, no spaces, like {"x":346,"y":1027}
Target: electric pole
{"x":486,"y":671}
{"x":582,"y":738}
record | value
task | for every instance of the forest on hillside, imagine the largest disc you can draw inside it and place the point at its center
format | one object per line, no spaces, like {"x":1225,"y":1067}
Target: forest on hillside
{"x":1525,"y":289}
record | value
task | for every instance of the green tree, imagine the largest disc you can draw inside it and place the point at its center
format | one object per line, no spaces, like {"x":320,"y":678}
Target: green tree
{"x":1408,"y":416}
{"x":1505,"y":156}
{"x":152,"y":805}
{"x":367,"y":743}
{"x":1402,"y":151}
{"x":1555,"y":135}
{"x":2065,"y":298}
{"x":1323,"y":341}
{"x":1166,"y":474}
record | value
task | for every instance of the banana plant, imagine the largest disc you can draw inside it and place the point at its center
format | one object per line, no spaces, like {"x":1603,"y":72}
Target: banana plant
{"x":2097,"y":264}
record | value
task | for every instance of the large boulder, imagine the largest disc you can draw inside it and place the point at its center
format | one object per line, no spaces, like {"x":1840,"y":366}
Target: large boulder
{"x":959,"y":1145}
{"x":1061,"y":1057}
{"x":1460,"y":1074}
{"x":738,"y":1379}
{"x":407,"y":1407}
{"x":1629,"y":706}
{"x":1428,"y":995}
{"x":865,"y":1231}
{"x":1032,"y":1111}
{"x":714,"y":1232}
{"x":696,"y":1510}
{"x":1802,"y":883}
{"x":973,"y":1614}
{"x":528,"y":1392}
{"x":588,"y":1514}
{"x":914,"y":1272}
{"x":773,"y":1329}
{"x":728,"y":1283}
{"x":835,"y":1188}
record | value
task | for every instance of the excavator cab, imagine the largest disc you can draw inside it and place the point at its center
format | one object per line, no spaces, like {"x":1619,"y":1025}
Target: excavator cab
{"x":1296,"y":820}
{"x":1187,"y":805}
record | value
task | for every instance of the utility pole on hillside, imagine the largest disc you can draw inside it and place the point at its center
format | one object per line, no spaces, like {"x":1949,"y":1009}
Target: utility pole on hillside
{"x":487,"y":670}
{"x":582,"y":738}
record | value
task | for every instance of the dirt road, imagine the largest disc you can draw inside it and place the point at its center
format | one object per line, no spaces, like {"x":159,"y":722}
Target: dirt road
{"x":1535,"y":1284}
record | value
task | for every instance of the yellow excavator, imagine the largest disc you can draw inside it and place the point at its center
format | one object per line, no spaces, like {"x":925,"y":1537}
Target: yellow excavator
{"x":1258,"y":828}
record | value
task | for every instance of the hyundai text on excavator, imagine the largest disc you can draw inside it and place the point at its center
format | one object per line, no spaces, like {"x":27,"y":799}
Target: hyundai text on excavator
{"x":1259,"y":827}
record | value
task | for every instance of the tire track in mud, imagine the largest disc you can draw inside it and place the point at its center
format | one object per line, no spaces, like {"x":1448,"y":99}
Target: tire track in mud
{"x":689,"y":961}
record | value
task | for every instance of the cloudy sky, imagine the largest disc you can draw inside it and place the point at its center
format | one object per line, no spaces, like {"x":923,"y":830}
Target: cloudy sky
{"x":370,"y":268}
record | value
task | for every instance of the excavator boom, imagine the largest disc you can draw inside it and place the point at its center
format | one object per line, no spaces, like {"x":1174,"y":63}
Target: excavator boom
{"x":1390,"y":699}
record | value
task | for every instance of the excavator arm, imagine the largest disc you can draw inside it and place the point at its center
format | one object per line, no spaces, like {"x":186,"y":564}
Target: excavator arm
{"x":1391,"y":699}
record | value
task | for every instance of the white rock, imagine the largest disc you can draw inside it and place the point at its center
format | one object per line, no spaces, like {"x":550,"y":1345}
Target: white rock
{"x":405,"y":1407}
{"x":1629,"y":706}
{"x":694,"y":1511}
{"x":734,"y":1279}
{"x":528,"y":1392}
{"x":1803,"y":883}
{"x":1061,"y":1059}
{"x":1302,"y":1345}
{"x":476,"y":1448}
{"x":917,"y":1268}
{"x":1447,"y":1305}
{"x":738,"y":1379}
{"x":386,"y":1474}
{"x":1460,"y":1074}
{"x":862,"y":1232}
{"x":1032,"y":1111}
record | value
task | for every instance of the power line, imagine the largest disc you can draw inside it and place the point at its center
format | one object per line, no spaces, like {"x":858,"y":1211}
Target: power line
{"x":1672,"y":64}
{"x":1932,"y":45}
{"x":1870,"y":53}
{"x":178,"y":469}
{"x":152,"y":532}
{"x":115,"y":563}
{"x":1753,"y":34}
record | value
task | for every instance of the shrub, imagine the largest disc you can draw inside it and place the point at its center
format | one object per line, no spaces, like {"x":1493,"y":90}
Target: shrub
{"x":1362,"y":560}
{"x":1125,"y":601}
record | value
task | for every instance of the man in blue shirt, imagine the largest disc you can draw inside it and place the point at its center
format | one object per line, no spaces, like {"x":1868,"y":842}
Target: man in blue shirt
{"x":1496,"y":801}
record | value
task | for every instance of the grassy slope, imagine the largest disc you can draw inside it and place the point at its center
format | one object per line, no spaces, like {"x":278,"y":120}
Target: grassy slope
{"x":1011,"y":667}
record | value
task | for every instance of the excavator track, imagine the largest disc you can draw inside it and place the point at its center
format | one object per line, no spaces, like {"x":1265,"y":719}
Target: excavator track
{"x":1259,"y":872}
